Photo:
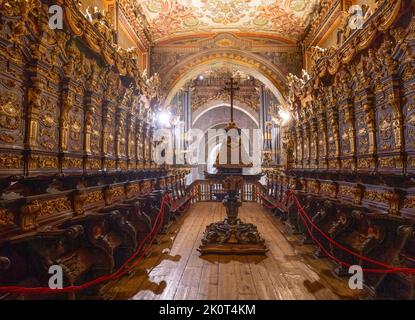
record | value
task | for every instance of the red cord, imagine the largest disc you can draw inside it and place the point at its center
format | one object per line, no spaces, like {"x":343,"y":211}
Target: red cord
{"x":343,"y":263}
{"x":306,"y":220}
{"x":121,"y":271}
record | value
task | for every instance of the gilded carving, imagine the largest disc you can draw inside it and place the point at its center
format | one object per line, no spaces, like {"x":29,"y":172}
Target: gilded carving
{"x":394,"y":201}
{"x":10,"y":117}
{"x":79,"y":202}
{"x":348,"y":164}
{"x":110,"y":164}
{"x":375,"y":196}
{"x":409,"y":202}
{"x":411,"y":162}
{"x":133,"y":189}
{"x":71,"y":163}
{"x":146,"y":187}
{"x":43,"y":162}
{"x":28,"y":215}
{"x":50,"y":207}
{"x":410,"y":125}
{"x":391,"y":162}
{"x":11,"y":161}
{"x":114,"y":193}
{"x":94,"y":197}
{"x":6,"y":218}
{"x":9,"y":111}
{"x":364,"y":163}
{"x":346,"y":191}
{"x":93,"y":164}
{"x":329,"y":189}
{"x":313,"y":186}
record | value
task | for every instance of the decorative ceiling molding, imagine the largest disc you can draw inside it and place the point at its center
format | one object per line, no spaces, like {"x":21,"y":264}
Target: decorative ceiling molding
{"x":322,"y":19}
{"x":287,"y":19}
{"x":136,"y":23}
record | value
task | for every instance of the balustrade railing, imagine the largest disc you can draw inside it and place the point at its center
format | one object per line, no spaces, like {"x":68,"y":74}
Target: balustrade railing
{"x":204,"y":190}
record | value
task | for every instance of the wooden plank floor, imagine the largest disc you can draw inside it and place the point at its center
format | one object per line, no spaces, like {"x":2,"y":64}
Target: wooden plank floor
{"x":175,"y":269}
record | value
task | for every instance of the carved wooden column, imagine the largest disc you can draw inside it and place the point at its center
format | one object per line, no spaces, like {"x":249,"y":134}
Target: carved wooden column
{"x":131,"y":136}
{"x":314,"y":145}
{"x":347,"y":136}
{"x":93,"y":119}
{"x":307,"y":145}
{"x":140,"y":144}
{"x":290,"y":146}
{"x":366,"y":138}
{"x":389,"y":114}
{"x":299,"y":136}
{"x":109,"y":125}
{"x":43,"y":110}
{"x":369,"y":111}
{"x":322,"y":140}
{"x":342,"y":88}
{"x":408,"y":96}
{"x":121,"y":131}
{"x":147,"y":141}
{"x":333,"y":139}
{"x":72,"y":113}
{"x":151,"y":147}
{"x":12,"y":121}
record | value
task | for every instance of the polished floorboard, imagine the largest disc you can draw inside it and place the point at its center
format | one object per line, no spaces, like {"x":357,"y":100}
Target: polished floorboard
{"x":175,"y":270}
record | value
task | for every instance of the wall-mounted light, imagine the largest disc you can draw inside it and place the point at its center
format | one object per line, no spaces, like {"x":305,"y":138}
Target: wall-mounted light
{"x":163,"y":118}
{"x":285,"y":116}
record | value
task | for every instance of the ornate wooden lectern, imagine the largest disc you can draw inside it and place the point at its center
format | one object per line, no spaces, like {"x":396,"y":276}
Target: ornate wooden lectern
{"x":232,"y":236}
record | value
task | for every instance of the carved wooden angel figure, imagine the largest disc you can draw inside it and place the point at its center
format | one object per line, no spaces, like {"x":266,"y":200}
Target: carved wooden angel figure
{"x":73,"y":57}
{"x":396,"y":124}
{"x":89,"y":124}
{"x":66,"y":106}
{"x":147,"y":149}
{"x":139,"y":148}
{"x":154,"y":85}
{"x":344,"y":30}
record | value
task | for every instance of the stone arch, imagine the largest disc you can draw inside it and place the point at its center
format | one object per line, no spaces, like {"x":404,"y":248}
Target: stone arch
{"x":248,"y":62}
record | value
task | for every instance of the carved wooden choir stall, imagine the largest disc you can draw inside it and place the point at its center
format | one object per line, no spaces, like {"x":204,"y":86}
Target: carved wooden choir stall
{"x":350,"y":150}
{"x":79,"y":186}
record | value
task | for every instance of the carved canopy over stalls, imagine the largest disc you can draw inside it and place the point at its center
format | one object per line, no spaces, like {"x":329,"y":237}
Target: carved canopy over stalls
{"x":354,"y":113}
{"x":85,"y":96}
{"x":351,"y":151}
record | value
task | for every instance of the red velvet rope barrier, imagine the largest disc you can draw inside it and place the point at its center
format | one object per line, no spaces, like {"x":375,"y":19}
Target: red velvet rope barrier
{"x":364,"y":258}
{"x":346,"y":264}
{"x":120,"y":272}
{"x":307,"y":222}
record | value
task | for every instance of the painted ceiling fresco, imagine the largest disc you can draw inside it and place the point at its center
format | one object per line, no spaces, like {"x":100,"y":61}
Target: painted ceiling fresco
{"x":282,"y":18}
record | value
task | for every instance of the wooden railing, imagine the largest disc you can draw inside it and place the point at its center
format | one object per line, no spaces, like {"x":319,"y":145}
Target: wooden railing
{"x":203,"y":191}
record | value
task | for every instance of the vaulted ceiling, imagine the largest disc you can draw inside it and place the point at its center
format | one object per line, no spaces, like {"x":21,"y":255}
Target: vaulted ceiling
{"x":166,"y":19}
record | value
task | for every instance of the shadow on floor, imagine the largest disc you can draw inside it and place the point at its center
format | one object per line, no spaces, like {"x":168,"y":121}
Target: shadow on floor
{"x":138,"y":279}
